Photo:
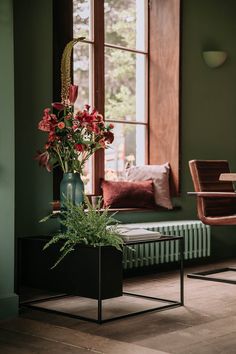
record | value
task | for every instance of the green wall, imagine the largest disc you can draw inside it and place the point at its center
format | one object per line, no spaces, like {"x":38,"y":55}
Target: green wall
{"x":8,"y":300}
{"x":207,"y":114}
{"x":33,"y":88}
{"x":208,"y":99}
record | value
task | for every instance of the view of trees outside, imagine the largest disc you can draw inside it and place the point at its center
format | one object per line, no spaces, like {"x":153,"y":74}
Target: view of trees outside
{"x":83,"y":67}
{"x":125,"y":78}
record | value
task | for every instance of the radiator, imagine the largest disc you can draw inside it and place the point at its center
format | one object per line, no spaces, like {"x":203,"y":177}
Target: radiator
{"x":197,"y":238}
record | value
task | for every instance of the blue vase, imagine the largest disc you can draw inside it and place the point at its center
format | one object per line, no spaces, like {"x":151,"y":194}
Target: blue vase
{"x":71,"y":188}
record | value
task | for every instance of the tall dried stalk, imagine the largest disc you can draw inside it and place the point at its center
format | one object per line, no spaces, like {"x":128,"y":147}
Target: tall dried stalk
{"x":66,"y":68}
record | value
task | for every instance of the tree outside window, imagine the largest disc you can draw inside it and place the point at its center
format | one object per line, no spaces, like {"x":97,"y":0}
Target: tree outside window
{"x":125,"y":68}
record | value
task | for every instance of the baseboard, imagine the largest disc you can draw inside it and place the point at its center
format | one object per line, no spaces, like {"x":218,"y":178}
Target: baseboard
{"x":9,"y":306}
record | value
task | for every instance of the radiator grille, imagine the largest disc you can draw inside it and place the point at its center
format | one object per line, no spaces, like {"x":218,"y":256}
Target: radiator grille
{"x":196,"y":243}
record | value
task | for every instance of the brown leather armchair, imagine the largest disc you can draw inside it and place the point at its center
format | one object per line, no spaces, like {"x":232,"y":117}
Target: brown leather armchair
{"x":216,"y":202}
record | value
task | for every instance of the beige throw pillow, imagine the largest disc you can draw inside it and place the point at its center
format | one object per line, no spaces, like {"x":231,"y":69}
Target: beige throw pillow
{"x":160,"y":176}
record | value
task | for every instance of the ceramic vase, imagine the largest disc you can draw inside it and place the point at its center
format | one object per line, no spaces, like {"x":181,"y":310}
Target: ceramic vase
{"x":71,"y":188}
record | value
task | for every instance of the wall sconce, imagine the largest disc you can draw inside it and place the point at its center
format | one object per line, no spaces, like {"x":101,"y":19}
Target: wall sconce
{"x":214,"y":58}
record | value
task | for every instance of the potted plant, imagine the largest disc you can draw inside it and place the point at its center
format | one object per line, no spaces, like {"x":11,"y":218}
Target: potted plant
{"x":84,"y":259}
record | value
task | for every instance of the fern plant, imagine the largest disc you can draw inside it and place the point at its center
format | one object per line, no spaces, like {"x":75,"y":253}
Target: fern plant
{"x":87,"y":225}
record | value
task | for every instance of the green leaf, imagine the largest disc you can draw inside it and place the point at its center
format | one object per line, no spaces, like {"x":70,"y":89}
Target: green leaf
{"x":91,"y":226}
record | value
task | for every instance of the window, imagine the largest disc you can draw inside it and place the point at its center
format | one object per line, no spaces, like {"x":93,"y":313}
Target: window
{"x":123,"y":58}
{"x":129,"y":70}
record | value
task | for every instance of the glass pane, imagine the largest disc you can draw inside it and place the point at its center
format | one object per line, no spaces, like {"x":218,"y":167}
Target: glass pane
{"x":83,"y":78}
{"x":87,"y":177}
{"x":128,"y":149}
{"x":82,"y":17}
{"x":125,"y":85}
{"x":125,"y":23}
{"x":83,"y":74}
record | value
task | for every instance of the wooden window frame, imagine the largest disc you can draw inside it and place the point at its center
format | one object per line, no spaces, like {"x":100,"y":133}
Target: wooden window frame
{"x":163,"y":82}
{"x":164,"y":63}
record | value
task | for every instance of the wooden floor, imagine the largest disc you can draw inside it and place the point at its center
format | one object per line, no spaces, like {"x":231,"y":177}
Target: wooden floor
{"x":206,"y":324}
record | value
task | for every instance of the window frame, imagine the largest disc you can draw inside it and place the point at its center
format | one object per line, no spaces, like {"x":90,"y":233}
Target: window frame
{"x":163,"y":95}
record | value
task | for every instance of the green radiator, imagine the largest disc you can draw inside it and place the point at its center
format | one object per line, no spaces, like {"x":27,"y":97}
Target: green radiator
{"x":197,"y":241}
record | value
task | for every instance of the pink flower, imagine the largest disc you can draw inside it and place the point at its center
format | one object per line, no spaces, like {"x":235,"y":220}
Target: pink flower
{"x":111,"y":126}
{"x":51,"y":137}
{"x":75,"y":127}
{"x":61,"y":125}
{"x":73,"y":93}
{"x":46,"y":111}
{"x":44,"y":126}
{"x":58,"y":105}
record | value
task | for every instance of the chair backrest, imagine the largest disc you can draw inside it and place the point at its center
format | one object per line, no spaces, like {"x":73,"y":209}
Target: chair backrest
{"x":205,"y":175}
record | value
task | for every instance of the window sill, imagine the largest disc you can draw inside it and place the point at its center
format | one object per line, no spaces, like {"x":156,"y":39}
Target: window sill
{"x":56,"y":209}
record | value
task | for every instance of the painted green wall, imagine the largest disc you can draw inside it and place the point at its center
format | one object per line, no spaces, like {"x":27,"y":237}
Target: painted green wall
{"x":207,"y":110}
{"x":208,"y":99}
{"x":8,"y":300}
{"x":33,"y":87}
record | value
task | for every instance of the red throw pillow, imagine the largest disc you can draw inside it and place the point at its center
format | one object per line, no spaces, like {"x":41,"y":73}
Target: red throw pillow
{"x":125,"y":194}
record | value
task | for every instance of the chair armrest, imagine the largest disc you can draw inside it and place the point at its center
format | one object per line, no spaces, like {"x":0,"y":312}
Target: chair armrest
{"x":213,"y":194}
{"x":228,"y":177}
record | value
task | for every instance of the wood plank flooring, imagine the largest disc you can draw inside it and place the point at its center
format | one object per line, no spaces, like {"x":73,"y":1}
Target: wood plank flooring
{"x":206,"y":324}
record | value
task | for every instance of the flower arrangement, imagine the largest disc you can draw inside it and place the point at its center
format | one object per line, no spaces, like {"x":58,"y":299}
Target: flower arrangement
{"x":72,"y":137}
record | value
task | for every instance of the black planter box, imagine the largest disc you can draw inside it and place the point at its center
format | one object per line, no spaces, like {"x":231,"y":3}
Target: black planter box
{"x":93,"y":272}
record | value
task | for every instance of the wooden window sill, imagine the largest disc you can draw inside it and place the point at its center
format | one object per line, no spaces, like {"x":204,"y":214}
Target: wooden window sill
{"x":125,"y":210}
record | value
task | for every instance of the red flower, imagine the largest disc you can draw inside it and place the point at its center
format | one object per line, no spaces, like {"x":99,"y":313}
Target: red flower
{"x":43,"y":159}
{"x":79,"y":147}
{"x":95,"y":128}
{"x":111,"y":126}
{"x":58,"y":105}
{"x":109,"y":137}
{"x":61,"y":125}
{"x":73,"y":93}
{"x":88,"y":118}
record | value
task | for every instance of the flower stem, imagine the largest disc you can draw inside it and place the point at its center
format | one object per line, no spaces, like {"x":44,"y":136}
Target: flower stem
{"x":61,"y":162}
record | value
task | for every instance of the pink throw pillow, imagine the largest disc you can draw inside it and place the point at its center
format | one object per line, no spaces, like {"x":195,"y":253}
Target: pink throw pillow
{"x":160,"y":176}
{"x":124,"y":194}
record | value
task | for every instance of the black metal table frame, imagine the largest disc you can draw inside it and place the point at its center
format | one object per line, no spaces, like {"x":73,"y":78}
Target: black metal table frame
{"x":206,"y":275}
{"x":169,"y":303}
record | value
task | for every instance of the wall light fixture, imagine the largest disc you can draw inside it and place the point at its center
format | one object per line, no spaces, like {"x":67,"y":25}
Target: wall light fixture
{"x":214,"y":58}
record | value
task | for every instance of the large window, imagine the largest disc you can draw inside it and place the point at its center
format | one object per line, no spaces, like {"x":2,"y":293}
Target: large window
{"x":122,"y":49}
{"x":128,"y":68}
